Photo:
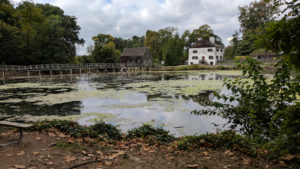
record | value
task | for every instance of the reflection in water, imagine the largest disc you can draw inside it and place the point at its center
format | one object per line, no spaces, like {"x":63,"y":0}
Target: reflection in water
{"x":34,"y":109}
{"x":159,"y":99}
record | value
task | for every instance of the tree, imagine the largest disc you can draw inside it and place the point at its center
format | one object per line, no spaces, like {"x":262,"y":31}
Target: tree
{"x":203,"y":32}
{"x":9,"y":33}
{"x":229,"y":53}
{"x":36,"y":33}
{"x":254,"y":16}
{"x":253,"y":19}
{"x":152,"y":41}
{"x":284,"y":35}
{"x":105,"y":49}
{"x":174,"y":52}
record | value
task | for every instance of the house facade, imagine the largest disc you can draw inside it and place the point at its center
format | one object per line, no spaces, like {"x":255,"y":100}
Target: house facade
{"x":139,"y":56}
{"x":205,"y":52}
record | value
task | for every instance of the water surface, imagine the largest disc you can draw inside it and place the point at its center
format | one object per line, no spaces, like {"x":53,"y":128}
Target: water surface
{"x":161,"y":99}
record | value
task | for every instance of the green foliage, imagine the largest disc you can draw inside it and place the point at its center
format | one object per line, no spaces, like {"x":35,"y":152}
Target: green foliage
{"x":98,"y":130}
{"x":174,"y":52}
{"x":254,"y":16}
{"x":286,"y":132}
{"x":36,"y":34}
{"x":147,"y":131}
{"x":194,"y":67}
{"x":223,"y":140}
{"x":263,"y":111}
{"x":102,"y":129}
{"x":105,"y":49}
{"x":283,"y":35}
{"x":258,"y":101}
{"x":203,"y":32}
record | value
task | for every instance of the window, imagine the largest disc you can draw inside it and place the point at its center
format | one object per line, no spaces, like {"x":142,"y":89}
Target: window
{"x":217,"y":49}
{"x":209,"y":50}
{"x":211,"y":57}
{"x":191,"y":63}
{"x":195,"y":57}
{"x":220,"y":57}
{"x":194,"y":51}
{"x":217,"y":57}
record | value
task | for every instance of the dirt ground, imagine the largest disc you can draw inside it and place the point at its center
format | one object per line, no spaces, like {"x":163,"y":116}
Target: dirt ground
{"x":54,"y":150}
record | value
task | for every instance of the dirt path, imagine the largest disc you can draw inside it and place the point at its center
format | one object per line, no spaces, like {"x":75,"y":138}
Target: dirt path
{"x":55,"y":150}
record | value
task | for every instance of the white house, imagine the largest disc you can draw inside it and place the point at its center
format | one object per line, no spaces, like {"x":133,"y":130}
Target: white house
{"x":205,"y":52}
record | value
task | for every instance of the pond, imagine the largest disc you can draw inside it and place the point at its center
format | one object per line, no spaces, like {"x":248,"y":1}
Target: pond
{"x":161,"y":99}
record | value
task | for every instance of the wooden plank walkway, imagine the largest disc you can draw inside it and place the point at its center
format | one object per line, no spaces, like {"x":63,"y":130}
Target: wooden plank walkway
{"x":54,"y":67}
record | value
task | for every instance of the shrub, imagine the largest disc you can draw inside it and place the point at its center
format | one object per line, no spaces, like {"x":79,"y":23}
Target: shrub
{"x":147,"y":131}
{"x":97,"y":130}
{"x":259,"y":101}
{"x":106,"y":130}
{"x":223,"y":140}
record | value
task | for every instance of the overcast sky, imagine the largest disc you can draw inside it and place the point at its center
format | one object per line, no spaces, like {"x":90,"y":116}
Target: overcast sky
{"x":126,"y":18}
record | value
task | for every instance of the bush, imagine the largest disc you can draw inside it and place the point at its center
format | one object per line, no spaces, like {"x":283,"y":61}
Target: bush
{"x":102,"y":129}
{"x":259,"y":101}
{"x":72,"y":128}
{"x":147,"y":131}
{"x":287,"y":135}
{"x":223,"y":140}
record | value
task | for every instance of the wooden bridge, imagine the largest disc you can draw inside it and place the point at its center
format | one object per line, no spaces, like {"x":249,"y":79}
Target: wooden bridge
{"x":116,"y":67}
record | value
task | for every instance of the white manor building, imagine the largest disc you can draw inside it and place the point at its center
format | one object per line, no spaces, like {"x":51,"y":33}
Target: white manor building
{"x":205,"y":52}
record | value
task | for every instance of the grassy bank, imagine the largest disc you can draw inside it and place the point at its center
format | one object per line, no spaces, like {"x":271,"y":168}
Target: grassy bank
{"x":194,"y":67}
{"x":226,"y":140}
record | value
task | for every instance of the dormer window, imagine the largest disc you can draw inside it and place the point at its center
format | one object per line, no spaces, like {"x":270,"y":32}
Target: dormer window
{"x":210,"y":50}
{"x":194,"y":51}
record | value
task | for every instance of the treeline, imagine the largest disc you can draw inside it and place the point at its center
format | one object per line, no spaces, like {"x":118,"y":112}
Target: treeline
{"x":264,"y":28}
{"x":166,"y":45}
{"x":36,"y":34}
{"x":253,"y":19}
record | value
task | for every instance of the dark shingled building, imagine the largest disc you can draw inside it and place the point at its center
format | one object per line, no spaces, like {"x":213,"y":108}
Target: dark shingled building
{"x":141,"y":56}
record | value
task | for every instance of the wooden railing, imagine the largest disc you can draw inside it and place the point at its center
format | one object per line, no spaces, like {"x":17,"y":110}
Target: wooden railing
{"x":46,"y":67}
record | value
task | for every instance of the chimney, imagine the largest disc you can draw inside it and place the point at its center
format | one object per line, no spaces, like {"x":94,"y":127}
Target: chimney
{"x":212,"y":39}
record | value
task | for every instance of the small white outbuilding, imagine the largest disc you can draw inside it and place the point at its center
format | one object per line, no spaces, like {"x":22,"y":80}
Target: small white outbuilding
{"x":205,"y":52}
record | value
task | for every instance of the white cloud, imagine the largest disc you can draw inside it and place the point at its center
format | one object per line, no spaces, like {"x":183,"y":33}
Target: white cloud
{"x":126,"y":18}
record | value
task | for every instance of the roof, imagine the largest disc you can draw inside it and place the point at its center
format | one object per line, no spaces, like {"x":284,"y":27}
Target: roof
{"x":204,"y":44}
{"x":134,"y":51}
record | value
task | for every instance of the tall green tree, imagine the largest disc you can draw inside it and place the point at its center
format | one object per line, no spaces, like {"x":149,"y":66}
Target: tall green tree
{"x":174,"y":52}
{"x":37,"y":33}
{"x":254,"y":16}
{"x":9,"y":33}
{"x":152,"y":41}
{"x":203,"y":32}
{"x":105,"y":49}
{"x":283,"y":35}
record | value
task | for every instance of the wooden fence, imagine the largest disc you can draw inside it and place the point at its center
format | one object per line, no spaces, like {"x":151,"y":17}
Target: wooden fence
{"x":49,"y":67}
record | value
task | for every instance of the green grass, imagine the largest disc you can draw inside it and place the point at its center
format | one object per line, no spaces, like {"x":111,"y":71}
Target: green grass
{"x":195,"y":67}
